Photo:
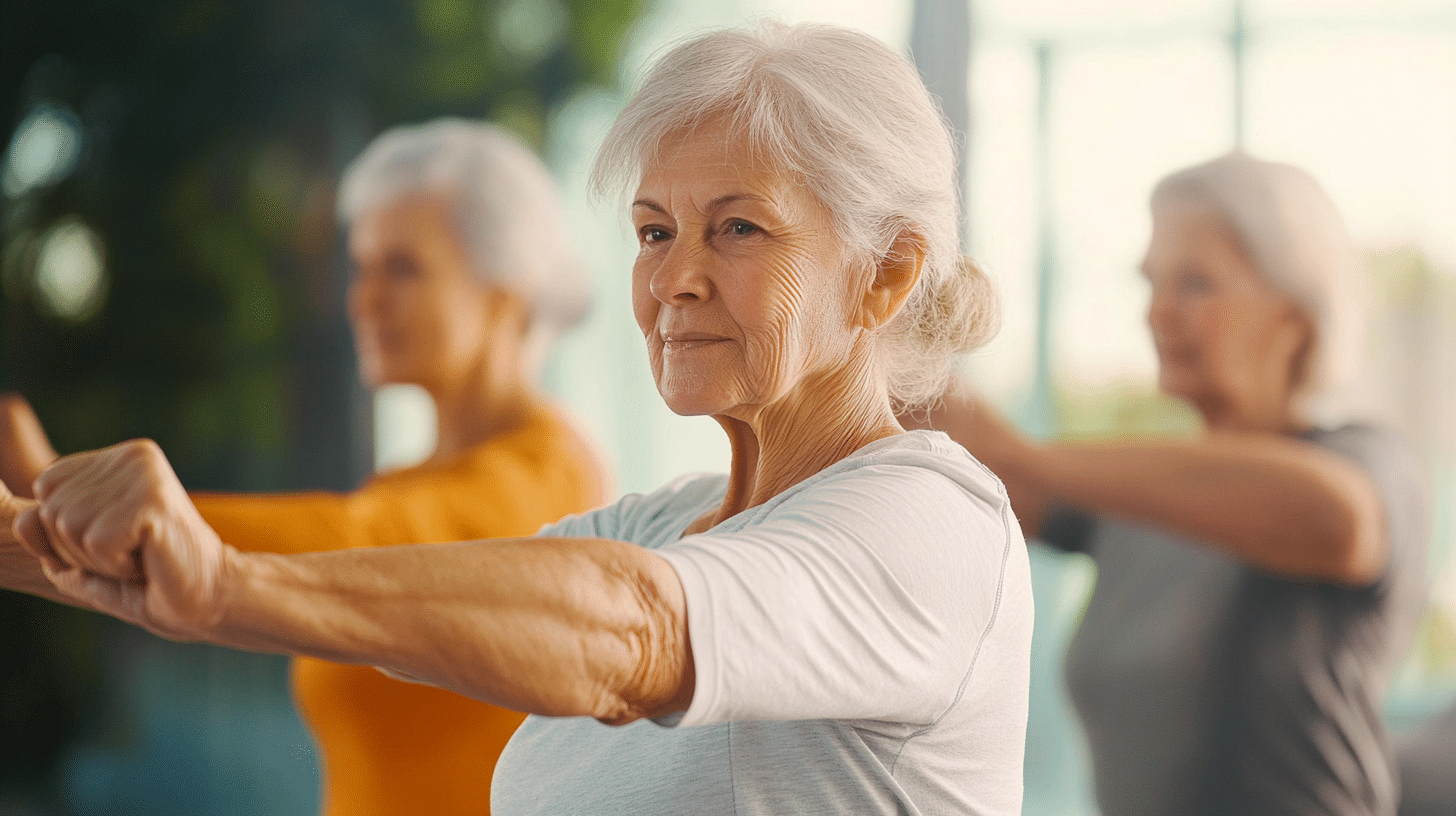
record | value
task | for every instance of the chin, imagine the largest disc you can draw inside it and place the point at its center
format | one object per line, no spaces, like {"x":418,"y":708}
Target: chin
{"x":1177,"y":384}
{"x":690,"y":405}
{"x":690,"y":398}
{"x":391,"y":375}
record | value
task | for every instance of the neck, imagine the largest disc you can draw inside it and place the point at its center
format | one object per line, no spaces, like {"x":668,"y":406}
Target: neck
{"x":496,"y":397}
{"x":1281,"y":415}
{"x":823,"y":422}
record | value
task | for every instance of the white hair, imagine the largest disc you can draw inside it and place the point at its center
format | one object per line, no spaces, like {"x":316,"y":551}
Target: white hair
{"x":504,"y":206}
{"x":1296,"y":239}
{"x":852,"y":120}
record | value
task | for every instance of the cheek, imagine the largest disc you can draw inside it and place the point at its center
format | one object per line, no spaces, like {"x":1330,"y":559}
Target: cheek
{"x":1225,"y":328}
{"x":768,"y":309}
{"x":644,"y":304}
{"x":1196,"y":320}
{"x":442,"y":325}
{"x":801,"y":325}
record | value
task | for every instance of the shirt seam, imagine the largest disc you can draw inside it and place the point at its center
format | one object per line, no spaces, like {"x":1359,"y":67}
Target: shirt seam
{"x":732,"y":771}
{"x":985,"y":633}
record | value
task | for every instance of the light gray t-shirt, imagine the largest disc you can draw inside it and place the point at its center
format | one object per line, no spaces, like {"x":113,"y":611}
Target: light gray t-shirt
{"x":861,"y":643}
{"x":1206,"y":686}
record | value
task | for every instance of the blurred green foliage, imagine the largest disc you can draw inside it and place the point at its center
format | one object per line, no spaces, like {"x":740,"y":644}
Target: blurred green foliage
{"x":211,"y":134}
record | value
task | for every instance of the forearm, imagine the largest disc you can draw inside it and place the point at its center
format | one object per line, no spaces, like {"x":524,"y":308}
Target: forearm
{"x":563,"y":627}
{"x":1281,"y":505}
{"x":21,"y":572}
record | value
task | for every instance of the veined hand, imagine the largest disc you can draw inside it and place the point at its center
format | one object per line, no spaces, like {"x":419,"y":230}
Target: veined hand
{"x":115,"y":530}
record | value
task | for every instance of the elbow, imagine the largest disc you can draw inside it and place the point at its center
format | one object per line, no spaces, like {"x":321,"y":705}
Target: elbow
{"x":1360,"y":558}
{"x":649,"y":667}
{"x":1357,"y":549}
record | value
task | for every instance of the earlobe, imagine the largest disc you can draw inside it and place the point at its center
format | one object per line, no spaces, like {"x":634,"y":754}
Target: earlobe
{"x":895,"y":275}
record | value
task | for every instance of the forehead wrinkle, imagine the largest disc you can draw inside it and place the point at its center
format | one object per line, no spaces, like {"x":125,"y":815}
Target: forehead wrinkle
{"x":715,"y":204}
{"x":731,"y":198}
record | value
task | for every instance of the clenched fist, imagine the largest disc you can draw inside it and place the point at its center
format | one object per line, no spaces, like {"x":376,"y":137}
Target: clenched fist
{"x":115,"y":530}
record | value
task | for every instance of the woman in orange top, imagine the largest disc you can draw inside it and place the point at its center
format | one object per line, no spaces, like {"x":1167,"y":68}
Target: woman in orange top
{"x":463,"y":278}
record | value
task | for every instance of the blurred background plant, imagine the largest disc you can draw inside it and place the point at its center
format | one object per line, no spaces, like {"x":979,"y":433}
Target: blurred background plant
{"x":171,"y":268}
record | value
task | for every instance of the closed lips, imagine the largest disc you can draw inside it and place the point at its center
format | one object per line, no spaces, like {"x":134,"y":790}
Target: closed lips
{"x":690,"y":340}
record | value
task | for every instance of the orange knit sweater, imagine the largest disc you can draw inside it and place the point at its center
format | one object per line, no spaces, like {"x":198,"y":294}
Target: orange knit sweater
{"x":391,"y":748}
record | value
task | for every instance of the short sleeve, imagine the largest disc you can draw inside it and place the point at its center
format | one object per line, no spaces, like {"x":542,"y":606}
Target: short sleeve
{"x":863,"y":598}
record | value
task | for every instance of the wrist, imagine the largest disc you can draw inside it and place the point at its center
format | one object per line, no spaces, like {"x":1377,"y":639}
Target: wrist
{"x":237,"y":571}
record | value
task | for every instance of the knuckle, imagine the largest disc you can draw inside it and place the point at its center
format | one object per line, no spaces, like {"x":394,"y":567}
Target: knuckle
{"x":148,"y":448}
{"x":69,"y":528}
{"x":149,"y":457}
{"x":133,"y":450}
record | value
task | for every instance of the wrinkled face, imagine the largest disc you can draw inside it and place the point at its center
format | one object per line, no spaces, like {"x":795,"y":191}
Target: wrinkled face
{"x":740,"y":286}
{"x":1222,"y":332}
{"x":419,"y":315}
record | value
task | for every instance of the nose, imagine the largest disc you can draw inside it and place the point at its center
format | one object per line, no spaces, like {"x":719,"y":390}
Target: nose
{"x":363,"y":295}
{"x":681,"y":277}
{"x":1161,"y":310}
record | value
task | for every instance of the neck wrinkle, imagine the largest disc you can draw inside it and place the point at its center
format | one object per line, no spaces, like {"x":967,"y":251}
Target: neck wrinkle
{"x":788,"y":442}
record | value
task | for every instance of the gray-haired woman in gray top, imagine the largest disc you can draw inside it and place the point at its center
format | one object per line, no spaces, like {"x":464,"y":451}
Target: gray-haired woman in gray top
{"x":1255,"y":585}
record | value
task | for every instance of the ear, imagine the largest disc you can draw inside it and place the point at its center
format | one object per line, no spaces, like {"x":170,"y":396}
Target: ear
{"x":505,"y":310}
{"x":895,"y":275}
{"x":1301,"y":358}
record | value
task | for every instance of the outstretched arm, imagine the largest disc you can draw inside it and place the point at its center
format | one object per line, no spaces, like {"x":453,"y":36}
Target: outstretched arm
{"x":564,"y":627}
{"x":1281,"y":504}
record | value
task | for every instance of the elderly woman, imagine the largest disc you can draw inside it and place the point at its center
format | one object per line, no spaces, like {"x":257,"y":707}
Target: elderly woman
{"x":841,"y":624}
{"x":463,"y":277}
{"x":1255,"y":586}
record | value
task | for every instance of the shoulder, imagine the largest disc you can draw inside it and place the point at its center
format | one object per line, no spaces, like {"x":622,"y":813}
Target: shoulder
{"x":1360,"y":441}
{"x":1397,"y":474}
{"x":548,"y":437}
{"x":906,"y":465}
{"x":913,"y":499}
{"x":1384,"y":456}
{"x":648,"y":519}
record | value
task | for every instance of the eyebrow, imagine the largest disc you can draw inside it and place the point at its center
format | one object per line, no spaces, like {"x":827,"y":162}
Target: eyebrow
{"x":712,"y":205}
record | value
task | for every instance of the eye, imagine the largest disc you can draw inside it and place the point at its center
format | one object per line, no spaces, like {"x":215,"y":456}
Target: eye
{"x":652,"y":235}
{"x":736,"y":227}
{"x":1194,"y":282}
{"x":400,"y":266}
